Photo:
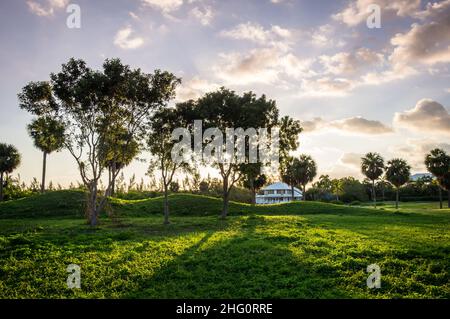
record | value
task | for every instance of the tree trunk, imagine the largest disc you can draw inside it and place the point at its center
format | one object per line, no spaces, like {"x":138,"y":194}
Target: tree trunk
{"x":44,"y":169}
{"x":92,"y":207}
{"x":113,"y":181}
{"x":226,"y":197}
{"x":166,"y":205}
{"x":1,"y":187}
{"x":440,"y":197}
{"x":292,"y":193}
{"x":254,"y":196}
{"x":304,"y":192}
{"x":374,"y":196}
{"x":396,"y":199}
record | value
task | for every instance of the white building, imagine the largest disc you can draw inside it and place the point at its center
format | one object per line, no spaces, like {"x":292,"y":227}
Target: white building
{"x":277,"y":193}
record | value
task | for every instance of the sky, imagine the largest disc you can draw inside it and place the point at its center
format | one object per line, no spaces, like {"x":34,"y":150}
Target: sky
{"x":355,"y":88}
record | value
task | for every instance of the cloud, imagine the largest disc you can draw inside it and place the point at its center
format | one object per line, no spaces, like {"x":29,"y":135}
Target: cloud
{"x":262,"y":65}
{"x":194,"y":88}
{"x":357,"y":11}
{"x":204,"y":15}
{"x":47,"y":9}
{"x":427,"y":115}
{"x":165,"y":6}
{"x":124,"y":39}
{"x":414,"y":151}
{"x":351,"y":159}
{"x":256,"y":33}
{"x":361,"y":125}
{"x":356,"y":124}
{"x":325,"y":36}
{"x":426,"y":43}
{"x":352,"y":63}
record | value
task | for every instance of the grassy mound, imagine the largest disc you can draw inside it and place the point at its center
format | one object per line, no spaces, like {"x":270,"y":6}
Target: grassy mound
{"x":71,"y":204}
{"x":66,"y":203}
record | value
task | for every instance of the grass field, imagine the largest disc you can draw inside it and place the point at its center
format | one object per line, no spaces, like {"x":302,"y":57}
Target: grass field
{"x":299,"y":250}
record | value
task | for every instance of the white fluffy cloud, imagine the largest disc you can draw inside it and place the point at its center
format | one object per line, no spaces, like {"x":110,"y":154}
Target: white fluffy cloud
{"x":352,"y":63}
{"x":125,"y":40}
{"x":357,"y":124}
{"x":427,"y":42}
{"x":164,"y":5}
{"x":265,"y":65}
{"x":426,"y":116}
{"x":256,"y":33}
{"x":194,"y":88}
{"x":203,"y":15}
{"x":357,"y":11}
{"x":46,"y":8}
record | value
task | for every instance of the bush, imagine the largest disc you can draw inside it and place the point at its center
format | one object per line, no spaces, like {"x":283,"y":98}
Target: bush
{"x":337,"y":202}
{"x":355,"y":203}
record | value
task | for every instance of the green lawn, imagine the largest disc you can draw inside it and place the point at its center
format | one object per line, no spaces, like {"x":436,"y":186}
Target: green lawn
{"x":301,"y":250}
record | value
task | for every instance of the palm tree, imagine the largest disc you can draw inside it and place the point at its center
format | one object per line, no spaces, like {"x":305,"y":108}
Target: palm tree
{"x":372,"y":166}
{"x":438,"y":164}
{"x":9,"y":160}
{"x":288,"y":174}
{"x":298,"y":171}
{"x":397,"y":173}
{"x":48,"y":135}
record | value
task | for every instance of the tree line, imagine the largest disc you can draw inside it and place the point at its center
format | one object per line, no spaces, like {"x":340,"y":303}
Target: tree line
{"x":106,"y":118}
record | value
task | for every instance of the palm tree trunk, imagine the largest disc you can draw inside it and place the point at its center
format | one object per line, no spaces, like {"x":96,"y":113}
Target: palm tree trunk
{"x":304,"y":192}
{"x":44,"y":169}
{"x":396,"y":199}
{"x":1,"y":187}
{"x":440,"y":197}
{"x":374,"y":195}
{"x":292,"y":193}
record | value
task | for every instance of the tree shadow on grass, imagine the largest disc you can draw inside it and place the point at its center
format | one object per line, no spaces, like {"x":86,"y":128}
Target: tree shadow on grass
{"x":246,"y":265}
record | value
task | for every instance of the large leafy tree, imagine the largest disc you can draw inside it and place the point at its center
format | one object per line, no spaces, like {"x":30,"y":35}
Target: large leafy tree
{"x":89,"y":102}
{"x":438,"y":164}
{"x":372,"y":166}
{"x":224,"y":109}
{"x":9,"y":161}
{"x":161,"y":144}
{"x":48,"y":135}
{"x":398,"y":173}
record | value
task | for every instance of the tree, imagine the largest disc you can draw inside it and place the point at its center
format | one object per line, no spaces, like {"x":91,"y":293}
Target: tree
{"x":372,"y":166}
{"x":160,"y":145}
{"x":306,"y":171}
{"x":116,"y":152}
{"x":253,"y":179}
{"x":289,"y":173}
{"x":438,"y":164}
{"x":224,"y":109}
{"x":9,"y":161}
{"x":48,"y":135}
{"x":89,"y":102}
{"x":397,"y":173}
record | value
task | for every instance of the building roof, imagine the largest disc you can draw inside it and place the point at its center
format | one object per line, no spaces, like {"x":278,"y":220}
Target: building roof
{"x":280,"y":186}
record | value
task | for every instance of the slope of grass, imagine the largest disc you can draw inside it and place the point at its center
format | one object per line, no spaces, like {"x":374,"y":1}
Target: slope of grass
{"x":71,"y":203}
{"x":66,"y":203}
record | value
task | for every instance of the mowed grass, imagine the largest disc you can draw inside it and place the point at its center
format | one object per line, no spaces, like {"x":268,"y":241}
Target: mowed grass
{"x":301,"y":250}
